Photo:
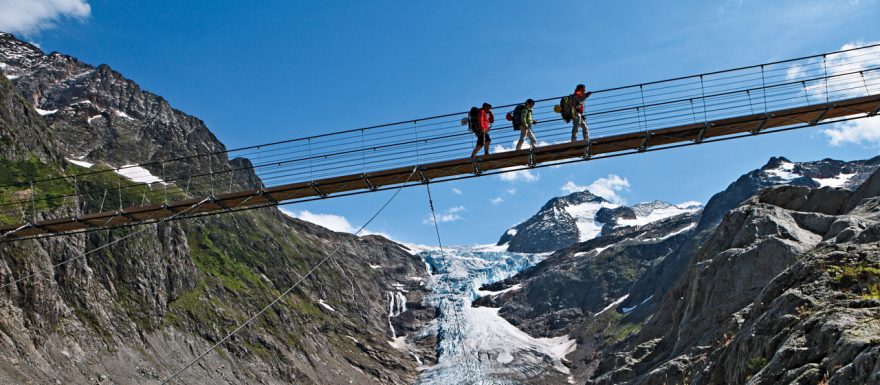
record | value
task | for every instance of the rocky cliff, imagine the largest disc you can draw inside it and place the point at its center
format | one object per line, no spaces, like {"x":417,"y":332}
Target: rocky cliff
{"x":136,"y":311}
{"x":660,"y":303}
{"x":784,"y":291}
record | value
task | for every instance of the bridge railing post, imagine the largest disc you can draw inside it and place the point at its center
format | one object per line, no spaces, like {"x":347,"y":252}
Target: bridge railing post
{"x":33,"y":203}
{"x":363,"y":153}
{"x":703,"y":97}
{"x":825,"y":71}
{"x":764,"y":88}
{"x":644,"y":112}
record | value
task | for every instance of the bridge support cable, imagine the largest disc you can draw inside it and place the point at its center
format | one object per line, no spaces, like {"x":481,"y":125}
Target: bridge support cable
{"x":471,"y":366}
{"x":289,"y":289}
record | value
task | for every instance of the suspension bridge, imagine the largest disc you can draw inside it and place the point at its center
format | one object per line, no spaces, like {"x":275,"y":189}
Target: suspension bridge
{"x":772,"y":97}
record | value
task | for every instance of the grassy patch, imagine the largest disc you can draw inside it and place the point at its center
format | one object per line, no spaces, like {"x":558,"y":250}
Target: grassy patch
{"x":755,"y":365}
{"x":624,"y":330}
{"x":210,"y":251}
{"x":861,"y":279}
{"x":18,"y":195}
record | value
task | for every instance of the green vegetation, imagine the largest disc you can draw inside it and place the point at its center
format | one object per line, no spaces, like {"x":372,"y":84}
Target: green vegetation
{"x":872,"y":292}
{"x":624,"y":330}
{"x":216,"y":260}
{"x":17,"y":194}
{"x":864,"y":279}
{"x":755,"y":364}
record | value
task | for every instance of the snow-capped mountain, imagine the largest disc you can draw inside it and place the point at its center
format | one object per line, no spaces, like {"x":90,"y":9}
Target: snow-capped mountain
{"x":781,"y":171}
{"x":580,"y":217}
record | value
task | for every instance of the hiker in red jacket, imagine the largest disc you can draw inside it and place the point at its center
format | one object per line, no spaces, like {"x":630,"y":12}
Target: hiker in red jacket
{"x":481,"y":128}
{"x":577,"y":114}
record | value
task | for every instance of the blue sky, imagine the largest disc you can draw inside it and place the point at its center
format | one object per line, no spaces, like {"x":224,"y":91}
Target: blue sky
{"x":258,"y":72}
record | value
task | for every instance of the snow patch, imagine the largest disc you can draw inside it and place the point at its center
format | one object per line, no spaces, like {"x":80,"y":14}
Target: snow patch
{"x":660,"y":212}
{"x":375,"y":267}
{"x":93,"y":118}
{"x":79,"y":163}
{"x":837,"y":181}
{"x":584,"y":215}
{"x":138,"y":174}
{"x":784,"y":172}
{"x":483,"y":293}
{"x":672,"y":234}
{"x":611,"y":305}
{"x":491,"y":248}
{"x":690,"y":204}
{"x":512,"y":232}
{"x":626,"y":310}
{"x":45,"y":112}
{"x":325,"y":305}
{"x":597,"y":250}
{"x":122,"y":114}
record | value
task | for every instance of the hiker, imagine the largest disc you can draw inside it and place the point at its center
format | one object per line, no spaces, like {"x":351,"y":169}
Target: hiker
{"x":576,"y":105}
{"x":522,"y":121}
{"x":481,"y":122}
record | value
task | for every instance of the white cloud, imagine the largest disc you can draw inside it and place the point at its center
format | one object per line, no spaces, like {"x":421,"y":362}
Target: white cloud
{"x":500,"y":147}
{"x":450,"y":215}
{"x":30,"y":16}
{"x":511,"y":191}
{"x":330,"y":221}
{"x":456,"y":191}
{"x":846,"y":68}
{"x":522,"y":175}
{"x":862,"y":131}
{"x":496,"y":201}
{"x":604,"y":187}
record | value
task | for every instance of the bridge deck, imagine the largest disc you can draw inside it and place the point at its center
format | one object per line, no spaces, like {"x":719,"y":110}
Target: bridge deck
{"x":637,"y":141}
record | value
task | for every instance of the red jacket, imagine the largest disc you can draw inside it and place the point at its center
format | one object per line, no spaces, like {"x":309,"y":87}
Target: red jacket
{"x":486,"y":120}
{"x":578,"y":98}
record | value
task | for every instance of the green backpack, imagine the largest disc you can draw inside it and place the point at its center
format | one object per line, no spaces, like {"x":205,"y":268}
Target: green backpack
{"x":565,"y":106}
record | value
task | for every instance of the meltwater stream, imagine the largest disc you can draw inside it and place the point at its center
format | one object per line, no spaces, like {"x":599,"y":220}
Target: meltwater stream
{"x":475,"y":345}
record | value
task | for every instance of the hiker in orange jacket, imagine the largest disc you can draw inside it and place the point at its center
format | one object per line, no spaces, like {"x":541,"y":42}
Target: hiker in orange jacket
{"x":482,"y":127}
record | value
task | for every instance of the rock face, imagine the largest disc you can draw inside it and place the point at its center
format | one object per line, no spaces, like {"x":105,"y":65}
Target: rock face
{"x":784,"y":291}
{"x":579,"y":217}
{"x":140,"y":309}
{"x":579,"y":281}
{"x":97,"y":115}
{"x":711,"y":297}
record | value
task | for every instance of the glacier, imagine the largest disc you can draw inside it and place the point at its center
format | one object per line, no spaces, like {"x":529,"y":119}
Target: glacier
{"x":475,"y":344}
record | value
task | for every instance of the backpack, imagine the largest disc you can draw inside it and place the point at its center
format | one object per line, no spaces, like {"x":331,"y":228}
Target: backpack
{"x":565,"y":106}
{"x":474,"y":120}
{"x":517,"y":116}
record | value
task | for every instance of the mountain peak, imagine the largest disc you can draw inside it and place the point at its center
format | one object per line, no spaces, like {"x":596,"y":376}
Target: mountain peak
{"x":776,"y":162}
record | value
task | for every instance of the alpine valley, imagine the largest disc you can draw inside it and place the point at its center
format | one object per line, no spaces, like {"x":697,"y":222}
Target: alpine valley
{"x":774,"y":280}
